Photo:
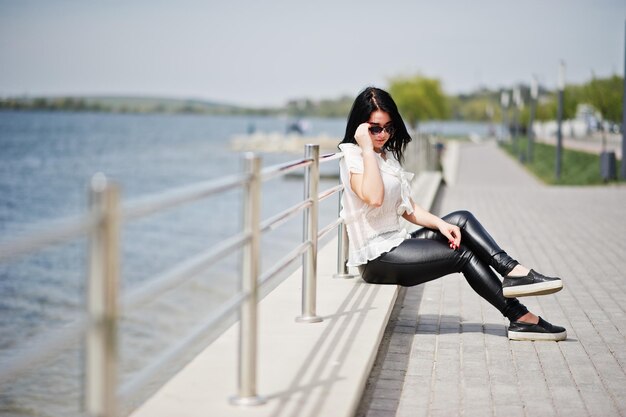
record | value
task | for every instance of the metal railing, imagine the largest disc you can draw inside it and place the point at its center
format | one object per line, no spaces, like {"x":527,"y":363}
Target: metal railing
{"x":102,"y":224}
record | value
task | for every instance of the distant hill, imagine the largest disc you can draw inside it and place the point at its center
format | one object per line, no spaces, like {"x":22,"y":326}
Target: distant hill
{"x":127,"y":104}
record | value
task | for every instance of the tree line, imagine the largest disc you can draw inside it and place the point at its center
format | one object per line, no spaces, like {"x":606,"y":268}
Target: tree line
{"x":419,"y":98}
{"x":126,"y":105}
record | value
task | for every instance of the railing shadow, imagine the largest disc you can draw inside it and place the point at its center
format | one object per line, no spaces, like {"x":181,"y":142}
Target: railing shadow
{"x":339,"y":332}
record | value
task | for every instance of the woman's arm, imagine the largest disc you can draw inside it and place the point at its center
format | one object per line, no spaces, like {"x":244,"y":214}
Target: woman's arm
{"x":423,"y":217}
{"x":369,"y":185}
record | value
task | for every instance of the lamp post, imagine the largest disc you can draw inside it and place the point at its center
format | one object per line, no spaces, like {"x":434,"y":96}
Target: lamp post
{"x":489,"y":113}
{"x":534,"y":94}
{"x":559,"y":117}
{"x":504,"y":102}
{"x":514,"y":120}
{"x":623,"y":167}
{"x":519,"y":104}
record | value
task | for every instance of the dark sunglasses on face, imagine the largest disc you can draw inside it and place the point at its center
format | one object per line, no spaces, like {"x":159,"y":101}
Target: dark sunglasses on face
{"x":375,"y":130}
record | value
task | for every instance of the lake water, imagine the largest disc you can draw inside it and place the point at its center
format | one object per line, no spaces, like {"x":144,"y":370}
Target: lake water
{"x":46,"y":161}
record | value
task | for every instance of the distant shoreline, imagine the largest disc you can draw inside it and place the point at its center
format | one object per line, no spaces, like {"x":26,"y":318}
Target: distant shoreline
{"x":159,"y":105}
{"x":123,"y":105}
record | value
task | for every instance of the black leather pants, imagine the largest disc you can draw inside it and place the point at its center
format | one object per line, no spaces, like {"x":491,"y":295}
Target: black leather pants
{"x":427,"y":256}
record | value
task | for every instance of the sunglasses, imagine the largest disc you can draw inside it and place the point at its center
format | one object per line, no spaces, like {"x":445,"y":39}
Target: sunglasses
{"x":375,"y":130}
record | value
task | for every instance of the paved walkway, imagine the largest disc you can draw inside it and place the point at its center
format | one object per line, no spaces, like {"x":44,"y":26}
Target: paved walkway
{"x":445,"y":351}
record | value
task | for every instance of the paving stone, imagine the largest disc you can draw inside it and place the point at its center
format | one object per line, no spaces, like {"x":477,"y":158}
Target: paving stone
{"x":388,"y":384}
{"x":384,"y":404}
{"x":372,"y":412}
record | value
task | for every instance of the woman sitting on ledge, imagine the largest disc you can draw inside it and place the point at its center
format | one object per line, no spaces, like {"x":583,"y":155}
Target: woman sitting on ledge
{"x":377,"y":192}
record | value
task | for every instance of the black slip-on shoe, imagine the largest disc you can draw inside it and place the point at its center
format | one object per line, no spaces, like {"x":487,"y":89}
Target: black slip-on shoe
{"x":532,"y":284}
{"x":519,"y":330}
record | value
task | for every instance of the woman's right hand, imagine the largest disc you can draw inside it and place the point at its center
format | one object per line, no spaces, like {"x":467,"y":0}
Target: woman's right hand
{"x":363,"y":138}
{"x":368,"y":186}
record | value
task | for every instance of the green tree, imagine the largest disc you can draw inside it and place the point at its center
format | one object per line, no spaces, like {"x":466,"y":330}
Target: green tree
{"x":476,"y":109}
{"x":546,"y":108}
{"x":605,"y":94}
{"x":419,"y":98}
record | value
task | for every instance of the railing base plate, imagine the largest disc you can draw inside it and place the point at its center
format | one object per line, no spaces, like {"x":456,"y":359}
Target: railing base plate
{"x":247,"y":401}
{"x":308,"y":319}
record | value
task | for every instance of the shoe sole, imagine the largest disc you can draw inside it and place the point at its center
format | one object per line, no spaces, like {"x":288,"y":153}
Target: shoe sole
{"x":550,"y":337}
{"x":541,"y":288}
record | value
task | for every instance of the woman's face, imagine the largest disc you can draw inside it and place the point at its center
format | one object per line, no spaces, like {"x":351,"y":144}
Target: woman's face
{"x":380,"y":119}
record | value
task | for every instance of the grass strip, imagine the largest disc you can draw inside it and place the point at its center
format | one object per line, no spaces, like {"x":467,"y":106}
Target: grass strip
{"x":577,"y":167}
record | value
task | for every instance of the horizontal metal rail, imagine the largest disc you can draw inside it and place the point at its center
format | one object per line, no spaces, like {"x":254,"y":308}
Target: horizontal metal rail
{"x":130,"y":388}
{"x":179,"y":196}
{"x":330,"y":157}
{"x":59,"y":232}
{"x":280,"y":218}
{"x":283,"y":263}
{"x":181,"y":272}
{"x":284,"y":168}
{"x":329,"y":228}
{"x":329,"y":192}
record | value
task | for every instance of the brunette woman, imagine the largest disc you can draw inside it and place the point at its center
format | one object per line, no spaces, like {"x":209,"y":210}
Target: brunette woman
{"x":377,"y":193}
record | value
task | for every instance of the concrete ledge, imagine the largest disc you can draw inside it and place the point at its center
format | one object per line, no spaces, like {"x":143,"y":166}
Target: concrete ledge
{"x":450,"y":162}
{"x":305,"y":370}
{"x":425,"y":188}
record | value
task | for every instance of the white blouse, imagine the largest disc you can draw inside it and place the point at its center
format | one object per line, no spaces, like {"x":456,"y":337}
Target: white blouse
{"x":374,"y":230}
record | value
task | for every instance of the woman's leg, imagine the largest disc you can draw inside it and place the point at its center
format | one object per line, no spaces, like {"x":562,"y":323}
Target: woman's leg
{"x":476,"y":238}
{"x":416,"y":261}
{"x":474,"y":235}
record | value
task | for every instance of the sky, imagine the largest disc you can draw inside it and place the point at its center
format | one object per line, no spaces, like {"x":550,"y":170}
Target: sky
{"x":263,"y":53}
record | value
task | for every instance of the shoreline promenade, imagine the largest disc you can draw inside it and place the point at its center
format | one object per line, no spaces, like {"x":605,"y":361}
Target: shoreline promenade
{"x":445,"y":350}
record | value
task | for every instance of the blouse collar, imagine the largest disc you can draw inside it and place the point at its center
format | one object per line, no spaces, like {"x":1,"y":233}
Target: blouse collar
{"x":393,"y":167}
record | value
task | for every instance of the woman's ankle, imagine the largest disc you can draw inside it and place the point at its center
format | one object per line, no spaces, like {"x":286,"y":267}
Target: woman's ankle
{"x":529,"y":318}
{"x":519,"y":271}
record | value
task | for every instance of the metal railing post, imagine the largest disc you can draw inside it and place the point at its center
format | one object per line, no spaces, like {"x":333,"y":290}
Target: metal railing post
{"x":247,"y":394}
{"x":342,"y":248}
{"x":102,"y":300}
{"x":309,"y":259}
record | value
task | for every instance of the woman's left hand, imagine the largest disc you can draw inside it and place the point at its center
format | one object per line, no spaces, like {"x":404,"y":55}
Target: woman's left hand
{"x":453,"y":233}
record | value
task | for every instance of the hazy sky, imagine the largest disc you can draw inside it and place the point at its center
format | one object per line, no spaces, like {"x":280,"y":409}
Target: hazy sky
{"x":266,"y":52}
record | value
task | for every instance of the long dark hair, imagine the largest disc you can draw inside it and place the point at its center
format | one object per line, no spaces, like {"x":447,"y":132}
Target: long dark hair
{"x":367,"y":102}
